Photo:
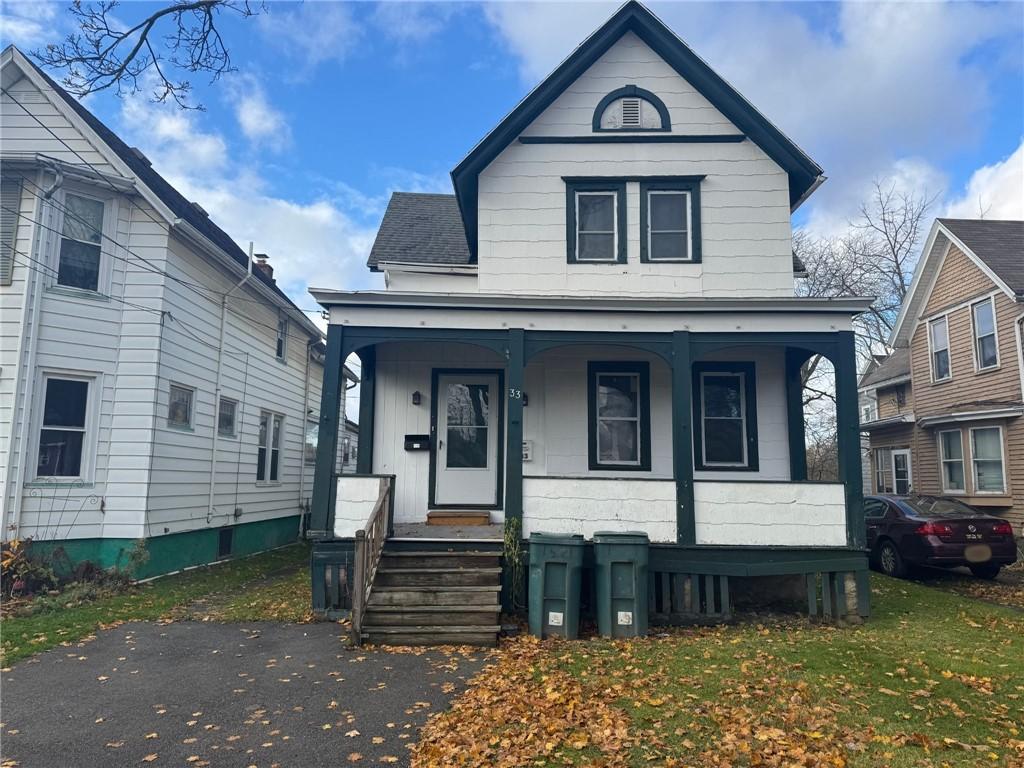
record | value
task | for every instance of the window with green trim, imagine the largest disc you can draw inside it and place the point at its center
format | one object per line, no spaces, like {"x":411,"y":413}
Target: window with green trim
{"x":596,"y":222}
{"x":725,"y":416}
{"x":670,"y":221}
{"x":619,"y":405}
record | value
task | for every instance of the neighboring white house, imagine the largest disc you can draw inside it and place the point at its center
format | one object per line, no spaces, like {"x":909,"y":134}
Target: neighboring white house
{"x":154,"y":384}
{"x":599,"y":330}
{"x":349,"y":446}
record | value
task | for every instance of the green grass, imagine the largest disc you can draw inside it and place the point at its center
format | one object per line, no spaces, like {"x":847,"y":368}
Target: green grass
{"x":168,"y":597}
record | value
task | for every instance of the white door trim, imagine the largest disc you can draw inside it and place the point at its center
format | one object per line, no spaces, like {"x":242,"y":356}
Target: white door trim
{"x":910,"y":469}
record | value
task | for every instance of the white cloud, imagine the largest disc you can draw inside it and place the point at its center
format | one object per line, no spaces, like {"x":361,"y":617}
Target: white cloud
{"x":311,"y":33}
{"x":994,"y":191}
{"x":412,"y":22}
{"x":871,"y":93}
{"x":261,"y":123}
{"x":28,"y":24}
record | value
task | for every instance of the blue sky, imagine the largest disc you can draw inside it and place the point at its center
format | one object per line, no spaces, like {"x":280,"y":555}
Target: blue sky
{"x":336,"y":105}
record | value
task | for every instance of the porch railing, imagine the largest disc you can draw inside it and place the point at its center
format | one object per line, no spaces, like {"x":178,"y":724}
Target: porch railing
{"x":369,"y":545}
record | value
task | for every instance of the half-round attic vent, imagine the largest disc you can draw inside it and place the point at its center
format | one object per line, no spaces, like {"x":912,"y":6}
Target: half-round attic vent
{"x":631,"y":109}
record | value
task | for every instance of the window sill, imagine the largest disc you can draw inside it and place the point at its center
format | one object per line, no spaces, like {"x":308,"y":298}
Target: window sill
{"x":76,"y":482}
{"x":77,"y":293}
{"x":936,"y":382}
{"x":990,"y":369}
{"x":227,"y":435}
{"x":180,"y":427}
{"x":598,"y":262}
{"x":268,"y":483}
{"x":669,"y":261}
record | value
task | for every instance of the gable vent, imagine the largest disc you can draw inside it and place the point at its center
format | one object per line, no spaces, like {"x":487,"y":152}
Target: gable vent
{"x":631,"y":112}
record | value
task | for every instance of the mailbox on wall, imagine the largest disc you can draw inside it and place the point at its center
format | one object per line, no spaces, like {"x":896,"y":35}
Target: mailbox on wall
{"x":417,"y":442}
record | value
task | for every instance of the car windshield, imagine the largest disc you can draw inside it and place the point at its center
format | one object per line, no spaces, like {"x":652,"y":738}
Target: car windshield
{"x":935,"y":506}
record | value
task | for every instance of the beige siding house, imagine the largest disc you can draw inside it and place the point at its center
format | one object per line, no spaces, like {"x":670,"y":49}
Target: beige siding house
{"x":950,"y":399}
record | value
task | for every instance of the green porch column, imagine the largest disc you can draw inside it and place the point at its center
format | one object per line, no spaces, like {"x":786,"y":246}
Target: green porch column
{"x":848,"y":431}
{"x":682,"y":439}
{"x":795,"y":359}
{"x":514,"y":430}
{"x":367,"y":406}
{"x":327,"y":442}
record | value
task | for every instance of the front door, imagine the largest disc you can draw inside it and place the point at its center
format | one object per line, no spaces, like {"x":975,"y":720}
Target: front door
{"x":901,"y":476}
{"x":467,"y":438}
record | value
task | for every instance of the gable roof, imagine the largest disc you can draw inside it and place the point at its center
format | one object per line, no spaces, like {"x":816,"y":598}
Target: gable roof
{"x":894,"y":367}
{"x":998,"y":243}
{"x":420,"y":228}
{"x":158,"y":185}
{"x":804,"y":173}
{"x":995,"y":246}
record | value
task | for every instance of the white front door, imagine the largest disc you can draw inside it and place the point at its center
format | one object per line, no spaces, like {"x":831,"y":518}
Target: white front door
{"x":466,"y":463}
{"x":902,"y":480}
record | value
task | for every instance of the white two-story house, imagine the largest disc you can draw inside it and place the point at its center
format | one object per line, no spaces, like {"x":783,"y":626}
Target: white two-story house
{"x":155,"y":382}
{"x":599,"y":331}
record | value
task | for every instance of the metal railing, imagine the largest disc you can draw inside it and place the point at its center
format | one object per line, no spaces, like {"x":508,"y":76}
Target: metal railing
{"x":369,"y":545}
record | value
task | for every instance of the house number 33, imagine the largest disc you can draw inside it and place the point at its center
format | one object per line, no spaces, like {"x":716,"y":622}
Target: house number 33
{"x":515,"y":394}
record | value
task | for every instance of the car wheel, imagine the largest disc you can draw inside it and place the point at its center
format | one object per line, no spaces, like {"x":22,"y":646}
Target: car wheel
{"x":890,"y":562}
{"x":986,"y":571}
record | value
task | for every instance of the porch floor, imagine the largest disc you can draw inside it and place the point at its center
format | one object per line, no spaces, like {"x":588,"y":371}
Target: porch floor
{"x":491,"y":532}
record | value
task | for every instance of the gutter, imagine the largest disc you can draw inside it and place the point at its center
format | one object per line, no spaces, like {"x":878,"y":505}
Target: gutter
{"x":963,"y":416}
{"x":217,"y":387}
{"x":304,"y":426}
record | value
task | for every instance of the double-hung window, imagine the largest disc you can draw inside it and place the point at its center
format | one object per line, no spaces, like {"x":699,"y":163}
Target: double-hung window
{"x":596,"y":221}
{"x":986,"y":350}
{"x":78,"y":263}
{"x":987,"y":460}
{"x":226,"y":417}
{"x":311,"y":441}
{"x":670,"y":220}
{"x":883,"y":470}
{"x":938,"y":343}
{"x":281,"y":345}
{"x":951,"y":453}
{"x":268,"y":456}
{"x":63,"y":434}
{"x":179,"y":406}
{"x":725,"y":411}
{"x":619,"y":406}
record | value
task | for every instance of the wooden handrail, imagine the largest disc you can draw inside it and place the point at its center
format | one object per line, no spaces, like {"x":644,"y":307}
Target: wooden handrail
{"x":369,"y":545}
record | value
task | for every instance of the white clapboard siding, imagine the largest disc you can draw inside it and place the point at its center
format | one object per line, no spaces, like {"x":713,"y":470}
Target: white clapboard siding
{"x":745,"y":217}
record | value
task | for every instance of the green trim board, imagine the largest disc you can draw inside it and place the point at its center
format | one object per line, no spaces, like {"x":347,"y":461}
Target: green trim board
{"x":516,"y":367}
{"x":848,"y":437}
{"x":627,"y":91}
{"x":330,"y":426}
{"x":749,"y":372}
{"x":367,"y":408}
{"x":682,"y":440}
{"x":650,"y":138}
{"x":642,"y":370}
{"x":174,"y":551}
{"x":796,"y":435}
{"x":435,"y":373}
{"x":689,"y":185}
{"x":537,"y":342}
{"x":576,"y":187}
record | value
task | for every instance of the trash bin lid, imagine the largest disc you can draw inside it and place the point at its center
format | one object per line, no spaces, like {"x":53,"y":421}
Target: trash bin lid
{"x":620,"y":537}
{"x":569,"y":539}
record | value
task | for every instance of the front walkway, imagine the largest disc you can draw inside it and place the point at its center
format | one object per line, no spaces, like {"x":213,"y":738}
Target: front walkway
{"x":191,"y":693}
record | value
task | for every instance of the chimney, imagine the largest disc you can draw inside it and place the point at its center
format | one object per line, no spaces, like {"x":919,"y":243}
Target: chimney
{"x":263,"y":265}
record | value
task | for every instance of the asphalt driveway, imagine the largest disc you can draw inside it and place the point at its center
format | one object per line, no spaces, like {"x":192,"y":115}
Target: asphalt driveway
{"x":203,"y":693}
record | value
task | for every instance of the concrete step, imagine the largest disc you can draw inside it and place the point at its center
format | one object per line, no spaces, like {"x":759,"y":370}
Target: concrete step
{"x":458,"y":517}
{"x":431,"y":615}
{"x":431,"y":635}
{"x":426,"y":596}
{"x":450,"y":560}
{"x":440,"y":577}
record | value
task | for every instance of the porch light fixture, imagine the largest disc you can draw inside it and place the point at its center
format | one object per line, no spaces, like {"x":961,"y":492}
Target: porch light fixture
{"x":417,"y":398}
{"x":526,"y":399}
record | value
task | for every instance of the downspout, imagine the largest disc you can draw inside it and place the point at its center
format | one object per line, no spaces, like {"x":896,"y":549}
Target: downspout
{"x":217,"y":386}
{"x":30,"y":362}
{"x":305,"y":425}
{"x":1018,"y":329}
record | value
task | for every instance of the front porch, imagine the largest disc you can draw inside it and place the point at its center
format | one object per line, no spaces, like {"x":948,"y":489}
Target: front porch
{"x":695,"y":438}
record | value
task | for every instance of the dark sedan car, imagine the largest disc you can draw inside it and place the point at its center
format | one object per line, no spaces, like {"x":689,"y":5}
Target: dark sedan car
{"x":936,"y":531}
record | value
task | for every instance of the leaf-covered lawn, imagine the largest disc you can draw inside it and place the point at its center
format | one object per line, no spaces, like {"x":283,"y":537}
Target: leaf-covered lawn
{"x":241,"y":590}
{"x":933,"y":679}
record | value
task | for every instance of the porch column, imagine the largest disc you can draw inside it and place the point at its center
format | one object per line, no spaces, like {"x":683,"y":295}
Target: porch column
{"x":682,"y":438}
{"x":367,"y":407}
{"x":514,"y":430}
{"x":795,"y":359}
{"x":327,"y":441}
{"x":848,"y":436}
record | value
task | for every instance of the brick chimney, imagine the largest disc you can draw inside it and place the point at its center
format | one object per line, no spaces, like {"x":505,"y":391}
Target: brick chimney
{"x":262,"y":264}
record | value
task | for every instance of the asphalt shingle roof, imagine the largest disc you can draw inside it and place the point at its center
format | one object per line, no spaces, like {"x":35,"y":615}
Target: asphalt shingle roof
{"x":998,"y":243}
{"x":420,"y":228}
{"x":894,"y":366}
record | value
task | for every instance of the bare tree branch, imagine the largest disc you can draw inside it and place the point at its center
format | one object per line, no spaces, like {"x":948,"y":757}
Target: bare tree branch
{"x":107,"y":53}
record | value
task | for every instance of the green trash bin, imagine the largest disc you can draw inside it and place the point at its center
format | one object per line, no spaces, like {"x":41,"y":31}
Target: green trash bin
{"x":621,"y":580}
{"x":556,"y":565}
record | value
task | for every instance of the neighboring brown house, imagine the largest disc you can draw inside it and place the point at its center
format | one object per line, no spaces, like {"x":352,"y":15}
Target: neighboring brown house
{"x":945,"y":411}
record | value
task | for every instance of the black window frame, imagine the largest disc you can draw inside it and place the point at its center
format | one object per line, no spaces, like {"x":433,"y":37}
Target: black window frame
{"x":614,"y":186}
{"x":642,"y":370}
{"x":687,"y":184}
{"x":749,"y":371}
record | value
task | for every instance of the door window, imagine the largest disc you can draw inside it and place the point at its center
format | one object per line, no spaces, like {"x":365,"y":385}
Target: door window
{"x":901,"y":472}
{"x":468,"y":408}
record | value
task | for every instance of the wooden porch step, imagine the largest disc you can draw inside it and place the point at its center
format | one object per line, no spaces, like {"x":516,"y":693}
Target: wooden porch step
{"x":421,"y":559}
{"x":440,"y":577}
{"x":486,"y":635}
{"x":431,"y":615}
{"x":432,"y":596}
{"x":458,"y":517}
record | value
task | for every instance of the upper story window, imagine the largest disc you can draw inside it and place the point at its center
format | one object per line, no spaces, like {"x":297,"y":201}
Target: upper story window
{"x":938,"y":344}
{"x":986,"y":350}
{"x":670,"y":220}
{"x":596,"y":221}
{"x":179,"y":406}
{"x":81,"y":234}
{"x":281,"y":347}
{"x":631,"y":109}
